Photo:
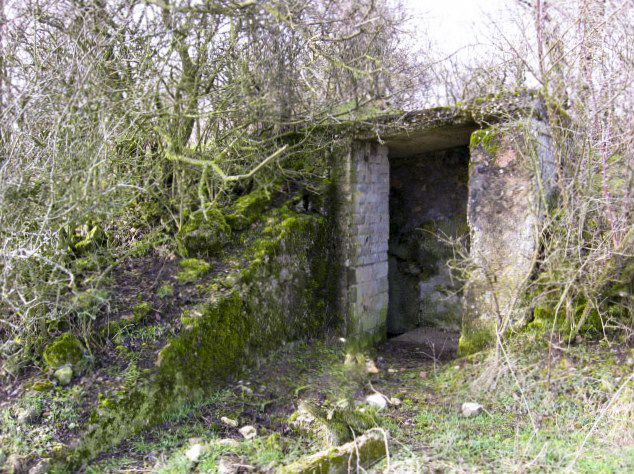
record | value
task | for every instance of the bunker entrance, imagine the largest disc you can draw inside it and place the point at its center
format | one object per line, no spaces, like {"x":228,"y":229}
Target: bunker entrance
{"x":428,"y":201}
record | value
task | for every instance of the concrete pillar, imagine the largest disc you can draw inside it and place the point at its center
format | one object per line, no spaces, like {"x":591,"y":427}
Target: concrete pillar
{"x":364,"y":218}
{"x":510,"y":176}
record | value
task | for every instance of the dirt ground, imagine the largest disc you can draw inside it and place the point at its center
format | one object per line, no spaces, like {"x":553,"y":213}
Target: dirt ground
{"x":267,"y":395}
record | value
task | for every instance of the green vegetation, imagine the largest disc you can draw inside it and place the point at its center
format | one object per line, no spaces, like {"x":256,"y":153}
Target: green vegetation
{"x":541,"y":414}
{"x":204,"y":234}
{"x":165,"y":291}
{"x":247,"y":209}
{"x":486,"y":139}
{"x":216,"y":336}
{"x":140,"y":311}
{"x":570,"y":409}
{"x":475,"y":340}
{"x":66,"y":349}
{"x":193,"y":269}
{"x":169,"y":256}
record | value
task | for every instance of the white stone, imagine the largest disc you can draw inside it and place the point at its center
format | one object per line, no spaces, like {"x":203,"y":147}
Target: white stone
{"x":226,"y":467}
{"x":229,"y":422}
{"x":470,"y":409}
{"x":64,"y":375}
{"x":229,"y":442}
{"x":376,"y":400}
{"x":248,"y":431}
{"x":194,"y":453}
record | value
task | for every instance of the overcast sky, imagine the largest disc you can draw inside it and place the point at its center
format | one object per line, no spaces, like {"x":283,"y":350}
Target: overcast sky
{"x":455,"y":23}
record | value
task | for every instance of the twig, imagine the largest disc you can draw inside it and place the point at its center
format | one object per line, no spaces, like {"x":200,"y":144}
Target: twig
{"x":158,"y":276}
{"x":387,"y":399}
{"x":596,"y":422}
{"x":224,"y":177}
{"x":508,"y":361}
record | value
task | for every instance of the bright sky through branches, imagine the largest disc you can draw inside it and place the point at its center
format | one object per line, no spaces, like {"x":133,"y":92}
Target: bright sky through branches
{"x":453,"y":24}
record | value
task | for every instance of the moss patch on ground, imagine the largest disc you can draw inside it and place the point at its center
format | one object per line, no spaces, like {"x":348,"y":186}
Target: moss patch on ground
{"x":65,"y":350}
{"x":192,"y":270}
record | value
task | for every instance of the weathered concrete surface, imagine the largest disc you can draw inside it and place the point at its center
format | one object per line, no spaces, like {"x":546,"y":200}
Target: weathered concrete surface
{"x":510,"y":181}
{"x":511,"y":176}
{"x":425,"y":141}
{"x":445,"y":127}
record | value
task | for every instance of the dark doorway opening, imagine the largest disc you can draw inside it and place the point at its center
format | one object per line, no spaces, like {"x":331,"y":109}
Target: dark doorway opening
{"x":428,"y":200}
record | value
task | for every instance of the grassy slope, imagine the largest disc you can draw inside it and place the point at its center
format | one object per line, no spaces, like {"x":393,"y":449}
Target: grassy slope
{"x":574,"y":408}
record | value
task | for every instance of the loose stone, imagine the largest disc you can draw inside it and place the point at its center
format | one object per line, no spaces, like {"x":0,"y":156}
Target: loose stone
{"x":248,"y":431}
{"x":194,"y":453}
{"x":64,"y":375}
{"x":229,"y":422}
{"x":377,"y":401}
{"x":470,"y":409}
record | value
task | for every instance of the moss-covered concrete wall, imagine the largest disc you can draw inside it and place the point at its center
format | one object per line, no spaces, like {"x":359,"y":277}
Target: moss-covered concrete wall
{"x":286,"y":290}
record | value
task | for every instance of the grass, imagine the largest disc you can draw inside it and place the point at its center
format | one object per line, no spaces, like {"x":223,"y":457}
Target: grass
{"x":266,"y":397}
{"x":540,"y":416}
{"x":52,"y":414}
{"x":267,"y":452}
{"x":548,"y":408}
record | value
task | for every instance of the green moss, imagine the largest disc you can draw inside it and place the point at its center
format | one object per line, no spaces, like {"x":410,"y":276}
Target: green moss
{"x":544,"y":319}
{"x":486,"y":139}
{"x":140,"y":311}
{"x":248,"y":209}
{"x":210,"y":348}
{"x":339,"y":425}
{"x":340,"y":459}
{"x":474,"y":340}
{"x":203,"y":234}
{"x":165,"y":291}
{"x":289,"y":295}
{"x":360,"y":343}
{"x":204,"y":354}
{"x":42,"y":385}
{"x":193,"y":269}
{"x":65,"y":350}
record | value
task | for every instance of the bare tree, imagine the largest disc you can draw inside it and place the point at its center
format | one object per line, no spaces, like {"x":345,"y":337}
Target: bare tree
{"x":161,"y":104}
{"x":578,"y":56}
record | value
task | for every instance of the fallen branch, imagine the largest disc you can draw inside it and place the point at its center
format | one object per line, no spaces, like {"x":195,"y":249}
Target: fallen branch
{"x":363,"y":452}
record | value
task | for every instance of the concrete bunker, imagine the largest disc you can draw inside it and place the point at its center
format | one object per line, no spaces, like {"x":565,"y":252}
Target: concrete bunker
{"x":484,"y":174}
